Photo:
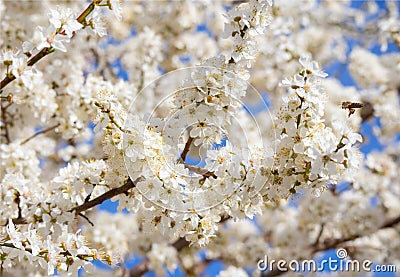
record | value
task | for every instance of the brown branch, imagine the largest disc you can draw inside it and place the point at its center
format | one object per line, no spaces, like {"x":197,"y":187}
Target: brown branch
{"x":6,"y":81}
{"x":87,"y":219}
{"x":321,"y":230}
{"x":204,"y":172}
{"x":129,"y":184}
{"x":43,"y":253}
{"x":82,"y":17}
{"x":10,"y":245}
{"x":186,"y":149}
{"x":39,"y":133}
{"x":334,"y":243}
{"x":391,"y":223}
{"x":18,"y":221}
{"x":47,"y":50}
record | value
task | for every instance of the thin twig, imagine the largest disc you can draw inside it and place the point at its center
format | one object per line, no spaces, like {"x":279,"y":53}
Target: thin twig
{"x":39,"y":133}
{"x":87,"y":219}
{"x":47,"y":50}
{"x":43,"y":253}
{"x":204,"y":172}
{"x":321,"y":230}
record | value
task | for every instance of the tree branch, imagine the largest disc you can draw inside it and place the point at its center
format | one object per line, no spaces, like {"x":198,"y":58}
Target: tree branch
{"x":43,"y":254}
{"x":87,"y":219}
{"x":129,"y":184}
{"x":204,"y":172}
{"x":321,"y":230}
{"x":333,"y":243}
{"x":200,"y":171}
{"x":39,"y":133}
{"x":186,"y":149}
{"x":391,"y":223}
{"x":47,"y":50}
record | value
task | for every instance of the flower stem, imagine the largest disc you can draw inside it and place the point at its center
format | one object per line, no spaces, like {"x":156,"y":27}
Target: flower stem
{"x":47,"y":50}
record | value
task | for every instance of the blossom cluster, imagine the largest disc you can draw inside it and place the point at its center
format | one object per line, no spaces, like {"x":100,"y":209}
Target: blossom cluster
{"x":66,"y":253}
{"x":319,"y":221}
{"x":207,"y":101}
{"x":64,"y":23}
{"x":196,"y":159}
{"x":309,"y":153}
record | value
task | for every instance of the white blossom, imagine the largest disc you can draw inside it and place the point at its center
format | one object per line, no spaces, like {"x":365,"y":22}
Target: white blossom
{"x":65,"y":19}
{"x":208,"y":148}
